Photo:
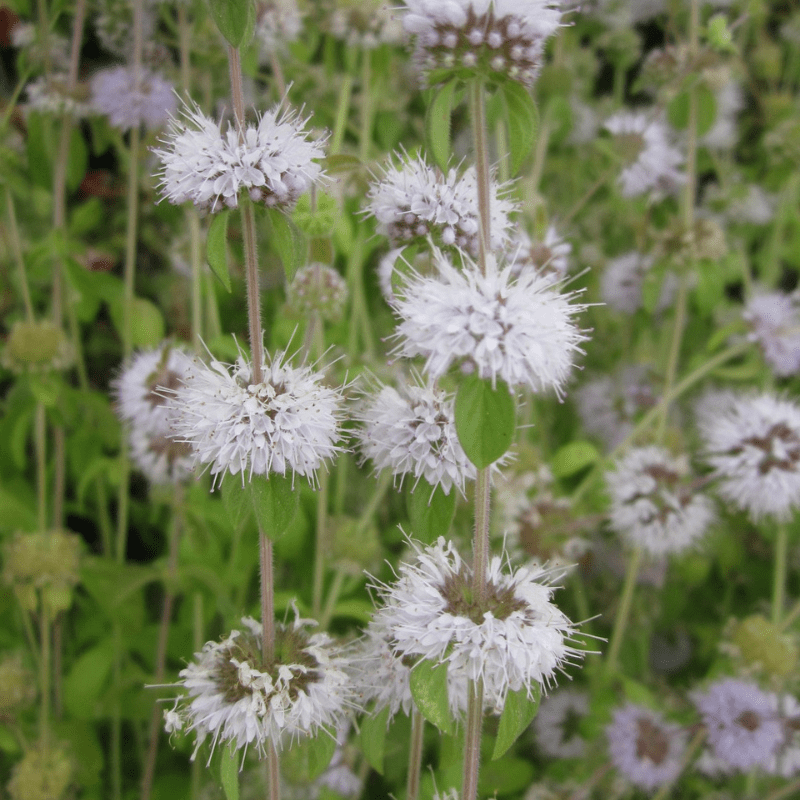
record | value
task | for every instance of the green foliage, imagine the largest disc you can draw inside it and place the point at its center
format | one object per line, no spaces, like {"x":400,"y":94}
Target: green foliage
{"x":373,"y":738}
{"x":438,"y":123}
{"x":234,"y":19}
{"x":485,"y":419}
{"x":429,"y":689}
{"x":286,"y":240}
{"x":229,"y":771}
{"x":518,"y":713}
{"x":431,"y":511}
{"x":217,"y":248}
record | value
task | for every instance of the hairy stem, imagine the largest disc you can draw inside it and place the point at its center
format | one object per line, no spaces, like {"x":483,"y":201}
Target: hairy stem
{"x":267,"y":599}
{"x":623,"y":611}
{"x":779,"y":577}
{"x":480,"y":542}
{"x":415,"y":754}
{"x":472,"y":740}
{"x":479,"y":137}
{"x":321,"y":543}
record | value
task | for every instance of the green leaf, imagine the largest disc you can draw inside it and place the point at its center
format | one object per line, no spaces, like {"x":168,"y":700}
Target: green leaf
{"x":373,"y":738}
{"x":521,"y":120}
{"x":232,"y":17}
{"x":437,"y":124}
{"x":237,"y":501}
{"x":310,"y":757}
{"x":317,"y":222}
{"x":86,"y":681}
{"x":78,"y":159}
{"x":431,"y":511}
{"x":15,"y":513}
{"x":572,"y":458}
{"x":509,"y":776}
{"x":287,"y":240}
{"x":678,"y":109}
{"x":217,"y":248}
{"x":485,"y":420}
{"x":229,"y":771}
{"x":518,"y":712}
{"x":147,"y":323}
{"x":275,"y":502}
{"x":39,"y":146}
{"x":429,"y":689}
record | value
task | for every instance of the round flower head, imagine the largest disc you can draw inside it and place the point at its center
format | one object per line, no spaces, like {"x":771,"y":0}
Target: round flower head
{"x":556,"y":723}
{"x":653,"y":504}
{"x":414,"y":201}
{"x":128,"y":104}
{"x":275,"y":163}
{"x":289,"y":422}
{"x":549,"y":256}
{"x":743,"y":725}
{"x":494,"y":38}
{"x":413,"y":432}
{"x":51,"y":95}
{"x":233,"y":696}
{"x":278,"y":23}
{"x":774,"y":320}
{"x":652,"y":162}
{"x":753,"y":444}
{"x":644,"y":748}
{"x":366,"y":24}
{"x":514,"y":639}
{"x":319,"y":289}
{"x":622,"y":280}
{"x":159,"y":457}
{"x":519,"y":330}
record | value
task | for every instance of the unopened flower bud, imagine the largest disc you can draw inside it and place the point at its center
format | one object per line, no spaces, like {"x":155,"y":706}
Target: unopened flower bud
{"x":43,"y":774}
{"x":761,"y":642}
{"x":35,"y":347}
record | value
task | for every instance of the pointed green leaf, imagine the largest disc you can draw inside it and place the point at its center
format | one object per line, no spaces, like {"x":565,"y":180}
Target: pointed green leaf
{"x":429,"y":689}
{"x":521,"y":120}
{"x":431,"y":511}
{"x":572,"y":458}
{"x":437,"y":124}
{"x":217,"y":248}
{"x":237,"y":501}
{"x":310,"y":757}
{"x":229,"y":771}
{"x":518,"y":712}
{"x":485,"y":420}
{"x":678,"y":109}
{"x":232,"y":17}
{"x":288,"y":242}
{"x":373,"y":738}
{"x":275,"y":502}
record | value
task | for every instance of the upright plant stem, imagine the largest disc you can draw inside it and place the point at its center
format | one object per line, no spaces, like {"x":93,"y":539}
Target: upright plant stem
{"x":267,"y":600}
{"x":163,"y":640}
{"x":779,"y":577}
{"x":40,"y":444}
{"x":472,"y":740}
{"x":623,"y":610}
{"x":16,"y":247}
{"x":480,"y":543}
{"x":321,"y":543}
{"x":478,"y":111}
{"x":44,"y":677}
{"x":367,"y":106}
{"x":415,"y":754}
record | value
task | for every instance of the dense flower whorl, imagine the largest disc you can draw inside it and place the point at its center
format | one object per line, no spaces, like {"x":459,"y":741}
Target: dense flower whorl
{"x":548,"y":255}
{"x":414,"y":201}
{"x":653,"y":503}
{"x":128,"y":104}
{"x":495,"y":38}
{"x":516,"y":639}
{"x":413,"y":432}
{"x":275,"y":163}
{"x":518,"y":329}
{"x":652,"y":162}
{"x":647,"y":750}
{"x":743,"y":723}
{"x":287,"y":423}
{"x":753,"y":444}
{"x":233,"y":696}
{"x":774,"y":320}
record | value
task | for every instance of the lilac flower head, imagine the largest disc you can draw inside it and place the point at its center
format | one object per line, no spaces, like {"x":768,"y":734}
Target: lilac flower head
{"x":647,"y":750}
{"x":490,"y":38}
{"x":129,"y":103}
{"x":548,"y":255}
{"x":413,"y":201}
{"x":744,"y":728}
{"x":652,"y":162}
{"x":519,"y":330}
{"x":515,"y":639}
{"x":275,"y":163}
{"x":653,"y":504}
{"x":752,"y":443}
{"x":774,"y":320}
{"x":556,"y":721}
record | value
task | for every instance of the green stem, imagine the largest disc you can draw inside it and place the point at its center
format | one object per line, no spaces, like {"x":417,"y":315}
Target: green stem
{"x":415,"y":754}
{"x":277,"y":74}
{"x":472,"y":740}
{"x":330,"y":602}
{"x":342,"y":113}
{"x":267,"y":600}
{"x":321,"y":543}
{"x":198,"y":767}
{"x":480,"y":542}
{"x":779,"y":577}
{"x":367,"y":106}
{"x":116,"y":717}
{"x":623,"y":611}
{"x":274,"y":772}
{"x":40,"y":442}
{"x":479,"y":137}
{"x":16,"y":247}
{"x":44,"y":676}
{"x":674,"y":353}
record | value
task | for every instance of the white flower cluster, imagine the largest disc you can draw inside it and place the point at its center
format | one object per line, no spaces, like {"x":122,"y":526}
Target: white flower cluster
{"x":651,"y":160}
{"x":653,"y":504}
{"x":774,"y":320}
{"x":142,"y":403}
{"x":413,"y":432}
{"x":485,"y":37}
{"x":129,"y":103}
{"x":516,"y":639}
{"x":232,"y":696}
{"x":548,"y":255}
{"x":414,"y":201}
{"x":753,"y":444}
{"x":50,"y":96}
{"x":517,"y":329}
{"x":289,"y":422}
{"x":275,"y":163}
{"x":556,"y":721}
{"x":278,"y":23}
